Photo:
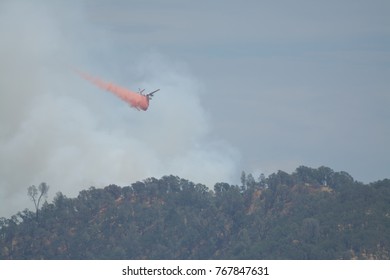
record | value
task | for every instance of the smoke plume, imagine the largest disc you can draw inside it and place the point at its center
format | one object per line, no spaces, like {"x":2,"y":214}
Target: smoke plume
{"x":58,"y":129}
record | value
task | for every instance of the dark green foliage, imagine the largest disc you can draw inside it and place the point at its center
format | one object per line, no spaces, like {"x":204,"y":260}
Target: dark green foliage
{"x":309,"y":214}
{"x":36,"y":194}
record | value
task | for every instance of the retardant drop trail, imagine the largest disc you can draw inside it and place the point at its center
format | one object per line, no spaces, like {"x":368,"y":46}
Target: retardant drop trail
{"x":137,"y":100}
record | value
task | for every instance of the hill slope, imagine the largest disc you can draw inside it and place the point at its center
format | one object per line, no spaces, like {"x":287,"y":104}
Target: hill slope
{"x":309,"y":214}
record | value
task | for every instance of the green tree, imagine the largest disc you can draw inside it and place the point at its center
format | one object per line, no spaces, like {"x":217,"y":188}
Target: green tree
{"x":310,"y":230}
{"x":250,"y":181}
{"x":173,"y":218}
{"x":36,"y":194}
{"x":243,"y":180}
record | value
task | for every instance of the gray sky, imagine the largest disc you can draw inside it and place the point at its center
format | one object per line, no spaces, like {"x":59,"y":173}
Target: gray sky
{"x":245,"y":85}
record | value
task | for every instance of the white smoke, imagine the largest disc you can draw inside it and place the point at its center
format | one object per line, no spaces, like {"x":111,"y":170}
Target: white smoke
{"x":57,"y":128}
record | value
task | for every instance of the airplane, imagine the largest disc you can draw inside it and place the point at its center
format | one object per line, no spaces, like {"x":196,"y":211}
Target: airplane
{"x":137,"y":100}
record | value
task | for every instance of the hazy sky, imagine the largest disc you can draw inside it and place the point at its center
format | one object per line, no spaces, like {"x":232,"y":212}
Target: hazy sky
{"x":245,"y":85}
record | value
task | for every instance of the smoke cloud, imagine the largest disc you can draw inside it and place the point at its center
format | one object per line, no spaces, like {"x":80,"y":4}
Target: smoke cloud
{"x":56,"y":128}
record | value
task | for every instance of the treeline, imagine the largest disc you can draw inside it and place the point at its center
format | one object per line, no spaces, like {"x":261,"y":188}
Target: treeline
{"x":309,"y":214}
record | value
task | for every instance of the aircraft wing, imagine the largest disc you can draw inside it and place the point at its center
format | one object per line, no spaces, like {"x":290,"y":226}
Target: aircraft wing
{"x":150,"y":95}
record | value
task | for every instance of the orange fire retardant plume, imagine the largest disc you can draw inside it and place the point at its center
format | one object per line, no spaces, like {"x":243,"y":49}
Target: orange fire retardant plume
{"x":134,"y":99}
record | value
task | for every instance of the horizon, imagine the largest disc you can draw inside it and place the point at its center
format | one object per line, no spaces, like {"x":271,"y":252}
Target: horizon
{"x":248,"y":86}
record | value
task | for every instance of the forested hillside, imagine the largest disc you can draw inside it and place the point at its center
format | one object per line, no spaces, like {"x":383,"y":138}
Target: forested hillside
{"x":309,"y":214}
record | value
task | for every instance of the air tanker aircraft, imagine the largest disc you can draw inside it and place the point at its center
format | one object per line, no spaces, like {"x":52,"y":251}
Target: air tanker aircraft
{"x":137,"y":100}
